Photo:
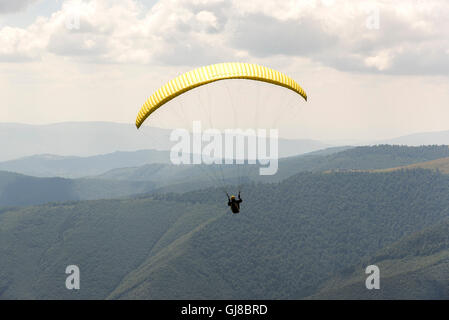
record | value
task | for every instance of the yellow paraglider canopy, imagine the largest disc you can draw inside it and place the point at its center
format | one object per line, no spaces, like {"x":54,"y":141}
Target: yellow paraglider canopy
{"x":212,"y":73}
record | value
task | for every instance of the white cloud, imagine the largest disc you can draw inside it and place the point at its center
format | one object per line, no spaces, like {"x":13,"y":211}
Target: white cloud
{"x":337,"y":35}
{"x":192,"y":32}
{"x":381,"y":61}
{"x":17,"y":44}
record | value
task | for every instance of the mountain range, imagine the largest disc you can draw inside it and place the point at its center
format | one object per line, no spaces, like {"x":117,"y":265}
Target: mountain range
{"x":87,"y":139}
{"x":309,"y":236}
{"x":139,"y":227}
{"x":19,"y":190}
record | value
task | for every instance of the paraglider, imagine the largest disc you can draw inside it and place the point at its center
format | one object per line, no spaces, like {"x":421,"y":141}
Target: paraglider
{"x":212,"y":73}
{"x":234,"y":204}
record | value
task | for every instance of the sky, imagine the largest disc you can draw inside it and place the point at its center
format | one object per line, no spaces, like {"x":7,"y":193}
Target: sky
{"x":371,"y":69}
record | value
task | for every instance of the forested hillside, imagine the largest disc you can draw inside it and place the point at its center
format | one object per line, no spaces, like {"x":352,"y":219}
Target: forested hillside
{"x":21,"y":190}
{"x":413,"y":268}
{"x":363,"y":158}
{"x":359,"y":158}
{"x":289,"y":239}
{"x":78,"y":167}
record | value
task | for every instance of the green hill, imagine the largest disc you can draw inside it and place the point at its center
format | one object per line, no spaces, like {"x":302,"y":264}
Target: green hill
{"x":344,"y":158}
{"x":290,"y":238}
{"x":415,"y":267}
{"x":441,"y":165}
{"x":18,"y":189}
{"x":77,"y":167}
{"x":21,"y":190}
{"x":363,"y":158}
{"x":106,"y":239}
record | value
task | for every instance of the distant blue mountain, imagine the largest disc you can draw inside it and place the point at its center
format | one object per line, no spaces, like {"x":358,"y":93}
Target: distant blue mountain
{"x":20,"y":190}
{"x":77,"y":149}
{"x":76,"y":167}
{"x":80,"y":139}
{"x":421,"y":139}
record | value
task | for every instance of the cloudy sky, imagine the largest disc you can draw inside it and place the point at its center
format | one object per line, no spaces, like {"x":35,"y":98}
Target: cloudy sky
{"x":372,"y":69}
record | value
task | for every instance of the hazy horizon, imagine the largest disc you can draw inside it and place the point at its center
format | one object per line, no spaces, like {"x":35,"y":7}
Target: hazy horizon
{"x":337,"y":141}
